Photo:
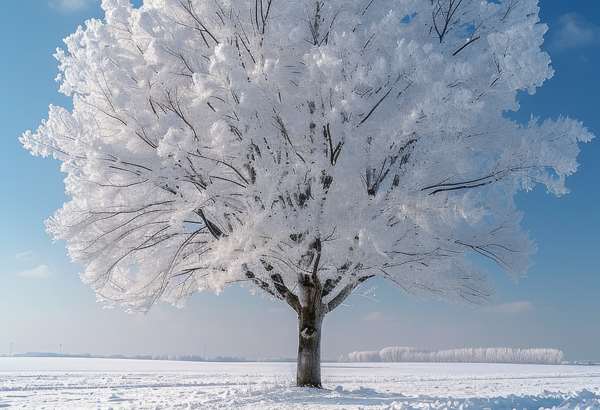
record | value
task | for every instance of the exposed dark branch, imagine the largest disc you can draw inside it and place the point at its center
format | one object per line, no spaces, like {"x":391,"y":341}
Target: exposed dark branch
{"x":285,"y":293}
{"x":473,"y":183}
{"x":375,"y":108}
{"x":345,"y":293}
{"x":468,"y":43}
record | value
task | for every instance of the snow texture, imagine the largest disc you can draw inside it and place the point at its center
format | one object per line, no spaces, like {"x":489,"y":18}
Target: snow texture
{"x":295,"y":145}
{"x":465,"y":355}
{"x":103,"y":384}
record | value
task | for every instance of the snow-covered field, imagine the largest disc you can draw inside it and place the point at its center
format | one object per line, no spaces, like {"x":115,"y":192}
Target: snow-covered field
{"x":97,"y":383}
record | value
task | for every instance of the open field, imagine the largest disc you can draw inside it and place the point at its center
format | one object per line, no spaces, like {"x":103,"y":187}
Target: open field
{"x":102,"y":383}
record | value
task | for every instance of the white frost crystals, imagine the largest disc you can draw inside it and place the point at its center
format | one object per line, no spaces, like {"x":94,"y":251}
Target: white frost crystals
{"x":281,"y":143}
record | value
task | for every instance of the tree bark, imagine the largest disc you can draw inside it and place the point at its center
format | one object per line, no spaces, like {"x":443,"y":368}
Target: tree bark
{"x":310,"y":320}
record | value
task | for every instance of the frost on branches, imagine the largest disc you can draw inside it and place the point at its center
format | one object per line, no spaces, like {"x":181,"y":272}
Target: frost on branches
{"x":302,"y":147}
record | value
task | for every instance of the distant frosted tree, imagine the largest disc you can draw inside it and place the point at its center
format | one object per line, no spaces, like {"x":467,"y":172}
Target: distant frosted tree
{"x":302,"y":147}
{"x":366,"y":356}
{"x":399,"y":354}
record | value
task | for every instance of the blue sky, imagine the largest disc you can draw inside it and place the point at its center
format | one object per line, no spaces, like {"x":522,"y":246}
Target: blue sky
{"x":43,"y":304}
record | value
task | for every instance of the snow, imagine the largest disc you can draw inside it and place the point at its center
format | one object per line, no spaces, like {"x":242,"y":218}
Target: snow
{"x":105,"y":383}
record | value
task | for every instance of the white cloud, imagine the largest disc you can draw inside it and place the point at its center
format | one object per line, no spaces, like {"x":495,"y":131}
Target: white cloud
{"x":24,"y":256}
{"x":68,"y":6}
{"x":39,"y":272}
{"x":575,"y":31}
{"x":511,"y":308}
{"x":374,"y":317}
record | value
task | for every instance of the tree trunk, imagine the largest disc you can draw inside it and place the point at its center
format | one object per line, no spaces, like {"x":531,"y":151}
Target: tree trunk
{"x":310,"y":320}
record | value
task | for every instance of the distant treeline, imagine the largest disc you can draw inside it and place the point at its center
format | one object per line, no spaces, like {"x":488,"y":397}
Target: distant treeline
{"x":466,"y":355}
{"x":179,"y":358}
{"x":122,"y":356}
{"x":393,"y":354}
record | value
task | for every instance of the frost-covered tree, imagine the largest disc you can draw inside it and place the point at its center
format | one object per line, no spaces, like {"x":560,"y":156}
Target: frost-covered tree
{"x":400,"y":354}
{"x":302,"y":147}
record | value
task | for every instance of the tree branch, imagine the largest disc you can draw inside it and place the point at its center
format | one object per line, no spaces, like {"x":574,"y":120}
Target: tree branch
{"x":345,"y":293}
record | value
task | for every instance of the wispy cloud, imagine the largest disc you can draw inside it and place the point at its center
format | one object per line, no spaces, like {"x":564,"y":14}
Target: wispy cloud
{"x":574,"y":31}
{"x":24,"y":256}
{"x":39,"y":272}
{"x":374,"y":317}
{"x":511,"y":308}
{"x":69,"y":6}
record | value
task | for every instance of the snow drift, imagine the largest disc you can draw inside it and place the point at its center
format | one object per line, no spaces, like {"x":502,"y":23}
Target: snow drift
{"x":466,"y":355}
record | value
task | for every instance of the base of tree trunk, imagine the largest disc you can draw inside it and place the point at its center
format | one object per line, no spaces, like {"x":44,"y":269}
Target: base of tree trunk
{"x":309,"y":349}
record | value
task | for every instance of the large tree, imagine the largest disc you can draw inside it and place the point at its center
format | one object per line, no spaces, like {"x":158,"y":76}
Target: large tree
{"x":302,"y":147}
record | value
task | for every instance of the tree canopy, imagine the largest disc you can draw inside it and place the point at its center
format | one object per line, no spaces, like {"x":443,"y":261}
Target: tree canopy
{"x":290,"y":144}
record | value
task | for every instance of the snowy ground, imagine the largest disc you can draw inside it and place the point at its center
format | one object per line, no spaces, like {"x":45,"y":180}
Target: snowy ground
{"x":97,"y":383}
